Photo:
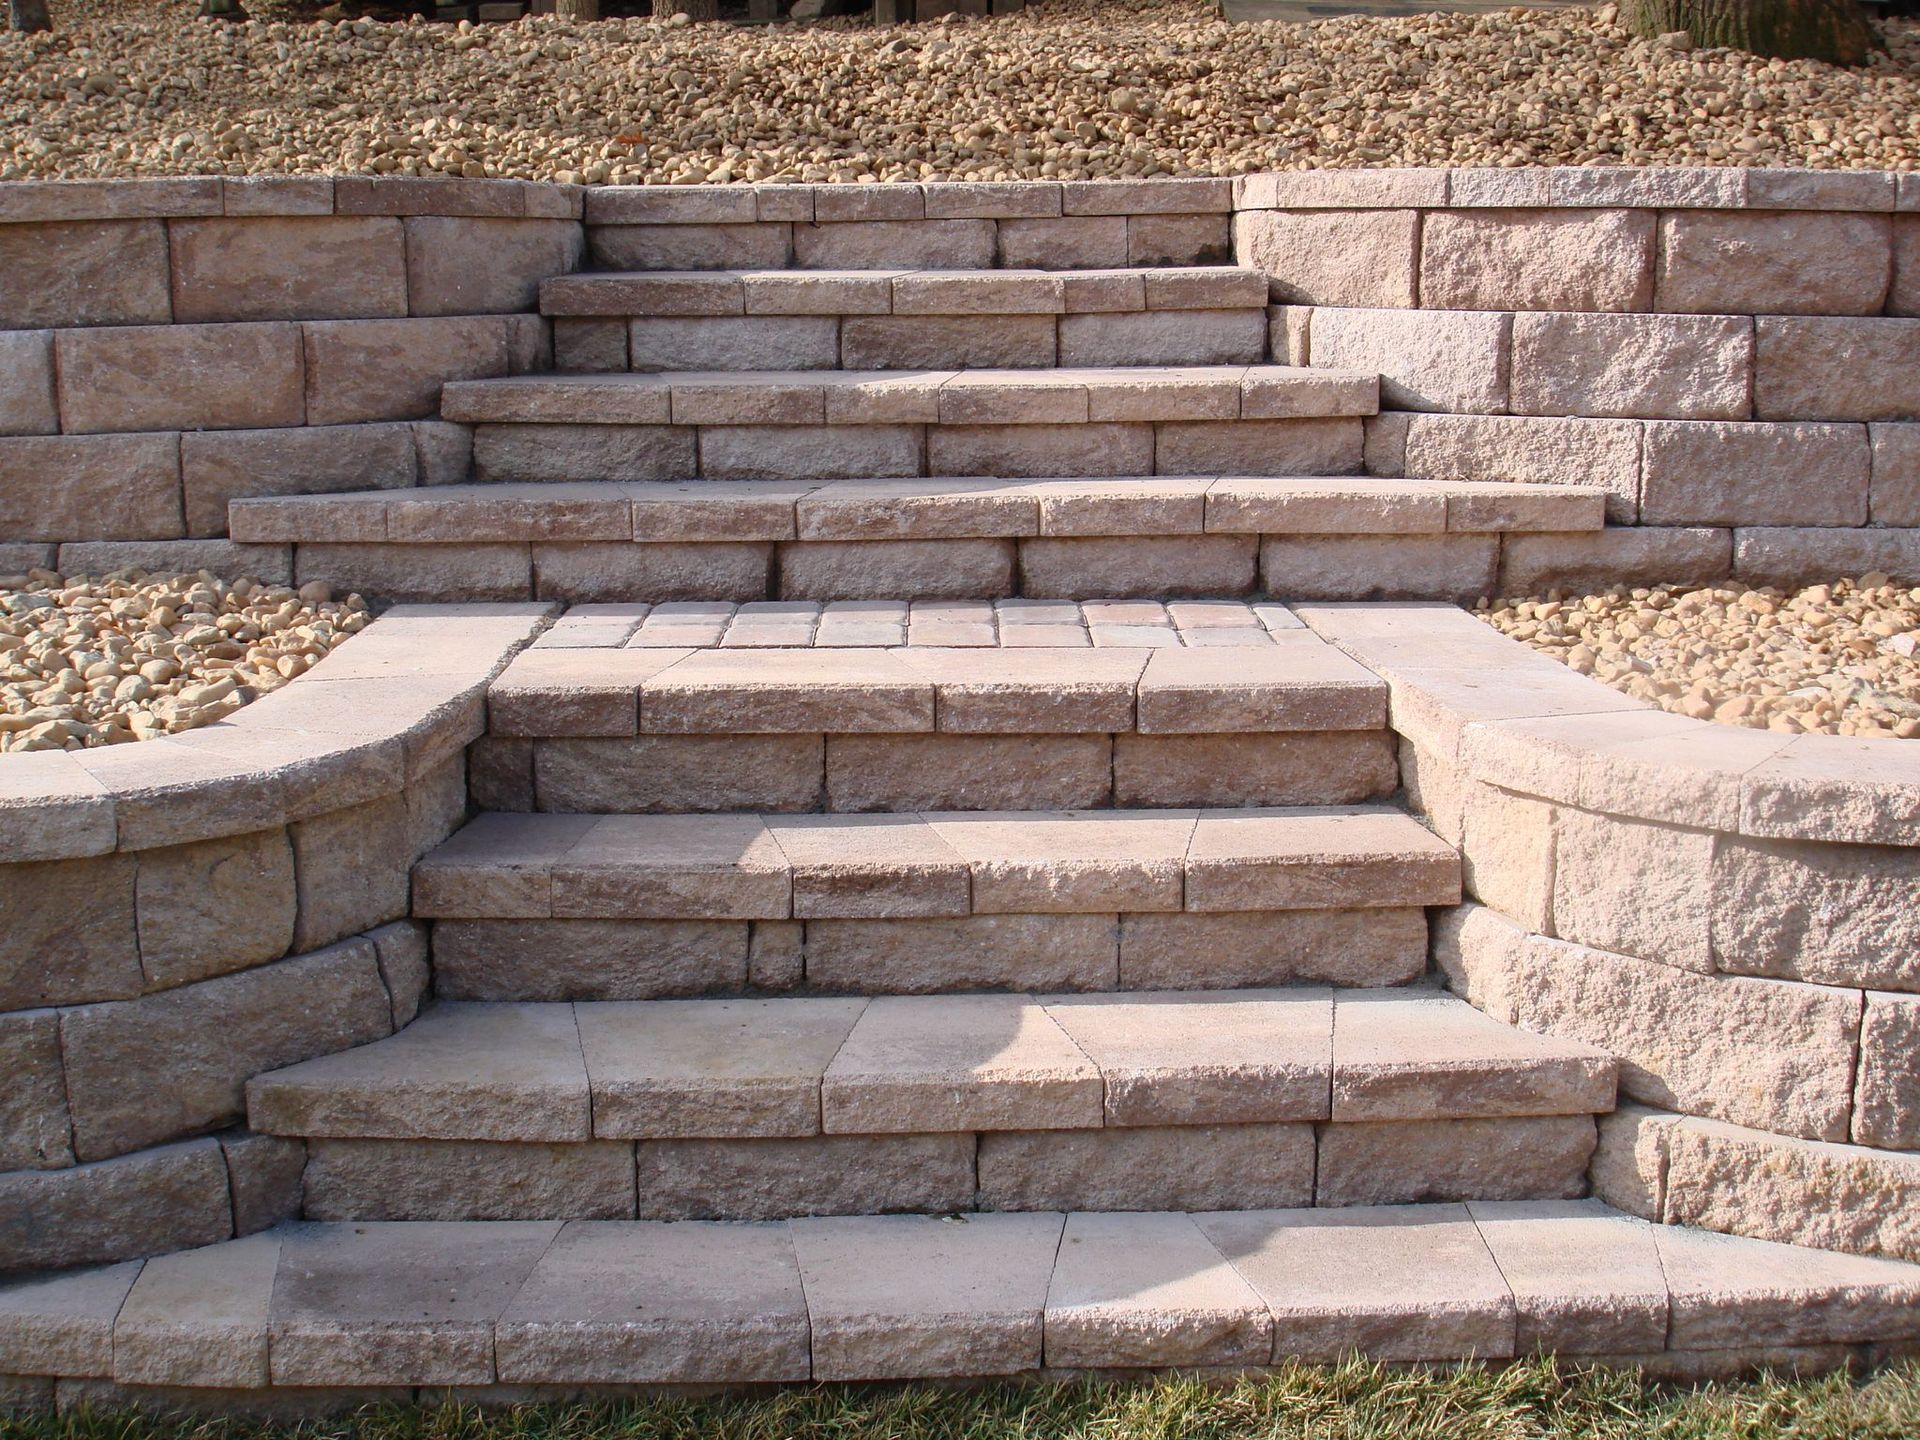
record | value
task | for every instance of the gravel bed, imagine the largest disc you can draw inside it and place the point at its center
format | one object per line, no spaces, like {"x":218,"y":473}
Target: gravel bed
{"x":1070,"y":88}
{"x":102,"y":660}
{"x":1835,"y":659}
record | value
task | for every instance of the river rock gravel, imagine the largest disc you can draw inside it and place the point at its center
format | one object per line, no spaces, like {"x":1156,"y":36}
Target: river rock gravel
{"x":1836,"y":659}
{"x":102,"y":660}
{"x":1068,"y":88}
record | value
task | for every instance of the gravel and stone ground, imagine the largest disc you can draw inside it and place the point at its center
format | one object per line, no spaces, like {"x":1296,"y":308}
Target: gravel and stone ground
{"x":101,"y":660}
{"x":1070,"y":88}
{"x":1835,"y":659}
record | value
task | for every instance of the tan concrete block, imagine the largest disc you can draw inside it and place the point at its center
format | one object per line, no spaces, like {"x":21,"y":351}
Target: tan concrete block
{"x":1636,"y":555}
{"x":199,"y":1317}
{"x":35,"y":1132}
{"x":1887,"y":1094}
{"x":1259,"y":447}
{"x":1342,"y":767}
{"x":216,"y":906}
{"x":996,"y":201}
{"x":1180,"y":1167}
{"x":820,"y":1175}
{"x":896,"y":569}
{"x":1896,"y":474}
{"x":918,"y":341}
{"x":420,"y":573}
{"x":1387,"y":567}
{"x":1124,"y":566}
{"x":589,"y":346}
{"x":1629,"y":1166}
{"x":1073,"y":243}
{"x":393,"y":369}
{"x":548,"y":692}
{"x":588,"y":959}
{"x":63,"y":1325}
{"x":904,"y":1296}
{"x":26,"y":383}
{"x":674,"y":867}
{"x":68,"y":273}
{"x":219,"y":466}
{"x":690,"y":247}
{"x":733,"y":342}
{"x":1904,"y":298}
{"x":68,"y":934}
{"x":789,"y":292}
{"x":352,"y":869}
{"x":1173,"y":239}
{"x":895,"y":245}
{"x":969,"y":772}
{"x":141,"y":1204}
{"x":1023,"y":451}
{"x":1162,"y":196}
{"x":1303,"y":253}
{"x":680,"y":773}
{"x":1165,"y":337}
{"x":930,"y":957}
{"x":1714,"y":473}
{"x":460,"y":265}
{"x":1276,"y":860}
{"x":114,"y":487}
{"x":1584,"y":1281}
{"x":1263,"y":948}
{"x":1023,"y":863}
{"x":1835,"y":368}
{"x":1782,"y":556}
{"x":871,"y":867}
{"x":616,"y":570}
{"x":176,"y":377}
{"x":468,"y":1180}
{"x":1426,"y":359}
{"x":264,"y":1173}
{"x":804,"y":452}
{"x":1304,"y":686}
{"x":1582,"y":260}
{"x":1635,"y":889}
{"x":1671,"y":366}
{"x":1551,"y":450}
{"x":291,"y":268}
{"x":802,"y":690}
{"x":1404,"y":1162}
{"x":1507,"y":853}
{"x":1731,"y":262}
{"x":1201,"y":1057}
{"x":1030,"y":690}
{"x":497,"y":866}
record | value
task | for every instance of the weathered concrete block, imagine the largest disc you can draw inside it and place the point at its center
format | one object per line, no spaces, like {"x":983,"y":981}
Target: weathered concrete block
{"x":1896,"y":474}
{"x":1271,"y":947}
{"x":896,"y":569}
{"x":1719,"y":473}
{"x":679,"y":773}
{"x":1832,"y":914}
{"x":219,"y":466}
{"x":1378,"y":567}
{"x":1764,"y":555}
{"x":1426,"y":359}
{"x":1414,"y":1162}
{"x":263,"y":1172}
{"x":589,"y":346}
{"x":930,"y":957}
{"x":558,"y":960}
{"x":1684,"y":367}
{"x":1165,"y":337}
{"x":584,"y":452}
{"x":1620,"y":555}
{"x":1301,"y":768}
{"x":1537,"y":260}
{"x":1073,"y":243}
{"x":821,"y":1175}
{"x":34,"y":1128}
{"x":1887,"y":1099}
{"x":157,"y":1200}
{"x":929,"y":342}
{"x":393,"y":369}
{"x":84,"y":273}
{"x":1536,"y":450}
{"x":67,"y":932}
{"x":969,"y":772}
{"x":1629,"y":1169}
{"x":620,"y":571}
{"x":808,"y":452}
{"x":1252,"y":447}
{"x":1633,"y":888}
{"x":421,"y":573}
{"x":464,"y":266}
{"x":1018,"y":451}
{"x":27,"y":405}
{"x":1506,"y":853}
{"x":1307,"y":254}
{"x":1130,"y":565}
{"x":1183,"y":1167}
{"x":1751,"y":262}
{"x":469,"y":1180}
{"x":734,"y":342}
{"x":288,"y":268}
{"x":108,"y":487}
{"x":180,"y":377}
{"x":690,"y":247}
{"x":894,"y":245}
{"x":1179,"y":240}
{"x":1836,"y":368}
{"x":353,"y":870}
{"x":212,"y":907}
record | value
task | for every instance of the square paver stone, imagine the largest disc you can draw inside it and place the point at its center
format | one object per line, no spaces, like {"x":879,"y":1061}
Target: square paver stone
{"x":674,"y":867}
{"x":1149,"y":1290}
{"x":1206,"y":1057}
{"x":635,"y":1302}
{"x":199,"y":1317}
{"x":1586,"y":1280}
{"x":912,"y":1297}
{"x":710,"y":1069}
{"x":63,"y":1325}
{"x":1084,"y":861}
{"x":1729,"y":1291}
{"x":958,"y":1062}
{"x":1393,"y":1282}
{"x":870,"y":867}
{"x":410,"y":1303}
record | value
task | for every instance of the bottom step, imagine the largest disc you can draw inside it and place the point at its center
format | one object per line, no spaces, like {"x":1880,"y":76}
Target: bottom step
{"x":541,"y":1303}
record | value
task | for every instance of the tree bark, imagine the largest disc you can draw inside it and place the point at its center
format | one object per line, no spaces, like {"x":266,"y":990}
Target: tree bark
{"x":692,"y":9}
{"x":28,"y":15}
{"x":1832,"y":30}
{"x":577,"y":9}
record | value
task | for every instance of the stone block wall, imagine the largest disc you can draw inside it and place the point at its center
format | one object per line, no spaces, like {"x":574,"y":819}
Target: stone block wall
{"x":1733,"y":356}
{"x":180,"y":915}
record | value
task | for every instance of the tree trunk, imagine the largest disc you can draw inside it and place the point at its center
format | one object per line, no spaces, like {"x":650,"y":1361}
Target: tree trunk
{"x":25,"y":15}
{"x":577,"y":9}
{"x":1833,"y":30}
{"x":692,"y":9}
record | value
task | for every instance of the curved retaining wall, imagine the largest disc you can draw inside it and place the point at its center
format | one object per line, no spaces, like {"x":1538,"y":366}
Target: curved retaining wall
{"x":177,"y":915}
{"x":1730,"y":911}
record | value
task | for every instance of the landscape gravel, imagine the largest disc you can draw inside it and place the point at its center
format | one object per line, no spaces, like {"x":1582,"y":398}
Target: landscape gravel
{"x":1835,"y":659}
{"x":1068,"y":88}
{"x":101,"y":660}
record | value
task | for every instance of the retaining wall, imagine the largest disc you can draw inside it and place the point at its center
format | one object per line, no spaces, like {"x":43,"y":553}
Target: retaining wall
{"x":1729,"y":911}
{"x":179,"y":915}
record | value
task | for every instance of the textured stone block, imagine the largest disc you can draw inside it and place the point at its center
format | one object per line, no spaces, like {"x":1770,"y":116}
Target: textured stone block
{"x":896,"y":569}
{"x":420,"y":573}
{"x":1164,"y":337}
{"x":215,"y":906}
{"x":1180,"y":1167}
{"x":178,"y":377}
{"x":1629,"y":1168}
{"x":733,"y":342}
{"x":1418,"y":1162}
{"x":1831,"y":914}
{"x":1257,"y":447}
{"x":1675,"y":366}
{"x":1716,"y":473}
{"x":908,"y":957}
{"x":1541,"y":450}
{"x":1306,"y":255}
{"x":1896,"y":474}
{"x":1791,"y":556}
{"x":1836,"y":368}
{"x":926,"y":342}
{"x":1582,"y":260}
{"x":588,"y":959}
{"x":199,"y":1318}
{"x":1633,"y":888}
{"x":1618,"y":555}
{"x":806,"y":452}
{"x":352,"y":866}
{"x":1584,"y":1281}
{"x":393,"y":369}
{"x":288,"y":268}
{"x":1426,"y":359}
{"x":1887,"y":1097}
{"x":1020,"y":451}
{"x":820,"y":1175}
{"x":26,"y":383}
{"x":1073,"y":243}
{"x":63,"y":1325}
{"x":968,"y":772}
{"x":468,"y":266}
{"x":468,"y":1180}
{"x":691,"y":247}
{"x":65,"y":274}
{"x":1173,"y":239}
{"x":67,"y":932}
{"x":1732,"y":262}
{"x":894,"y":245}
{"x":680,"y":772}
{"x":1125,"y":566}
{"x":35,"y":1132}
{"x":1258,"y":948}
{"x":263,"y":1172}
{"x":219,"y":466}
{"x":161,"y":1199}
{"x":1385,"y":567}
{"x":1302,"y":768}
{"x":108,"y":487}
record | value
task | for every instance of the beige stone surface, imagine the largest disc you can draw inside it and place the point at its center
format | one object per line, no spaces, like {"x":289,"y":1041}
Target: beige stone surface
{"x":1149,"y":1290}
{"x":1836,"y":368}
{"x":460,"y":1072}
{"x":500,"y":865}
{"x":173,"y":377}
{"x":680,"y":773}
{"x":468,"y":265}
{"x":1175,"y":1167}
{"x":68,"y":934}
{"x":199,"y":1317}
{"x":1018,"y":451}
{"x":1629,"y":1169}
{"x":1799,"y":910}
{"x":1256,"y":447}
{"x":381,"y":1304}
{"x":895,"y":244}
{"x":926,"y":957}
{"x":1426,"y":359}
{"x":1585,"y":1281}
{"x":264,"y":1173}
{"x":1335,"y":767}
{"x":1085,"y":861}
{"x":219,"y":466}
{"x":35,"y":1132}
{"x":1671,"y":366}
{"x":674,"y":867}
{"x":288,"y":268}
{"x":1634,"y":888}
{"x":111,"y":272}
{"x":92,"y":1214}
{"x":1406,"y":1162}
{"x":1641,"y":555}
{"x":1722,"y":262}
{"x":63,"y":1325}
{"x":1070,"y":243}
{"x":613,"y":1303}
{"x":216,"y":906}
{"x":1729,"y":1290}
{"x":1887,"y":1096}
{"x":1031,"y":690}
{"x":1284,"y":860}
{"x":582,"y":452}
{"x":1507,"y":852}
{"x":905,"y":1296}
{"x":1130,"y":565}
{"x":1307,"y":685}
{"x":819,"y":1175}
{"x":806,"y":690}
{"x":549,"y":692}
{"x":968,"y":772}
{"x":1896,"y":474}
{"x":1200,"y":1057}
{"x":1393,"y":1284}
{"x":689,"y":247}
{"x":932,"y":342}
{"x":1165,"y":337}
{"x":1380,"y":567}
{"x":393,"y":369}
{"x":958,"y":1062}
{"x":897,"y":569}
{"x":1304,"y":254}
{"x":27,"y":405}
{"x":1262,"y":948}
{"x":588,"y":959}
{"x":468,"y":1180}
{"x":871,"y":867}
{"x":1174,"y":239}
{"x":1604,"y":454}
{"x":109,"y":486}
{"x":352,"y":870}
{"x":1537,"y":260}
{"x":1718,"y":473}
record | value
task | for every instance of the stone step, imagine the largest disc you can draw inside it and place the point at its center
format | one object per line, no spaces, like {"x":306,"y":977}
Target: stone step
{"x":344,"y":1314}
{"x":884,"y":320}
{"x":796,"y":1068}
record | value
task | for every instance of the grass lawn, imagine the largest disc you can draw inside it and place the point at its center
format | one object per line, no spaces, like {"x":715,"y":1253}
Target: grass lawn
{"x":1353,"y":1402}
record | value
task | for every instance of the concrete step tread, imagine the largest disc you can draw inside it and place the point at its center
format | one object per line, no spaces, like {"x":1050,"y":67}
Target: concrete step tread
{"x":768,"y":676}
{"x":904,"y":1297}
{"x":774,"y":867}
{"x":929,"y":1064}
{"x":914,"y":508}
{"x":1064,"y":395}
{"x":903,"y":292}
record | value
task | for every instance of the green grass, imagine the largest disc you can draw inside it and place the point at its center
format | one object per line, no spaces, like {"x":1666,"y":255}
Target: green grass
{"x":1355,"y":1401}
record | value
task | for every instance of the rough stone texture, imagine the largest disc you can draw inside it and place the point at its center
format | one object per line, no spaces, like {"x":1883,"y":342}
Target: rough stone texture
{"x":1125,"y":566}
{"x":140,"y":1204}
{"x":588,"y":959}
{"x":1629,"y":1169}
{"x":1506,"y":853}
{"x":26,"y":383}
{"x":1715,"y":473}
{"x":1564,"y":451}
{"x":84,"y":273}
{"x":1021,"y":451}
{"x":806,"y":452}
{"x":734,"y":342}
{"x":1313,"y":768}
{"x":1306,"y":254}
{"x":1164,"y":337}
{"x":108,"y":487}
{"x":968,"y":772}
{"x":583,"y":452}
{"x":679,"y":773}
{"x":924,"y":957}
{"x":67,"y":932}
{"x":352,"y":870}
{"x":63,"y":1325}
{"x":1179,"y":1167}
{"x":1887,"y":1101}
{"x":1836,"y":368}
{"x":1677,"y":366}
{"x":1272,"y":947}
{"x":894,"y":1297}
{"x":1896,"y":474}
{"x":1258,"y":447}
{"x":1426,"y":359}
{"x":263,"y":1172}
{"x":1072,"y":243}
{"x":1729,"y":262}
{"x":1149,"y":1290}
{"x":924,"y":342}
{"x":1904,"y":298}
{"x":180,"y":377}
{"x":1833,"y":914}
{"x":215,"y":906}
{"x":1765,"y":1052}
{"x":614,"y":1303}
{"x":1169,"y":239}
{"x":288,"y":268}
{"x":216,"y":467}
{"x":1537,"y":260}
{"x":896,"y":569}
{"x":420,"y":573}
{"x":1781,"y":556}
{"x":34,"y":1130}
{"x":468,"y":1180}
{"x":822,"y":1175}
{"x":690,"y":247}
{"x":1633,"y":888}
{"x":1618,"y":555}
{"x":1409,"y":1162}
{"x":895,"y":245}
{"x":468,"y":266}
{"x":199,"y":1318}
{"x":1379,"y":567}
{"x":393,"y":369}
{"x":1584,"y":1281}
